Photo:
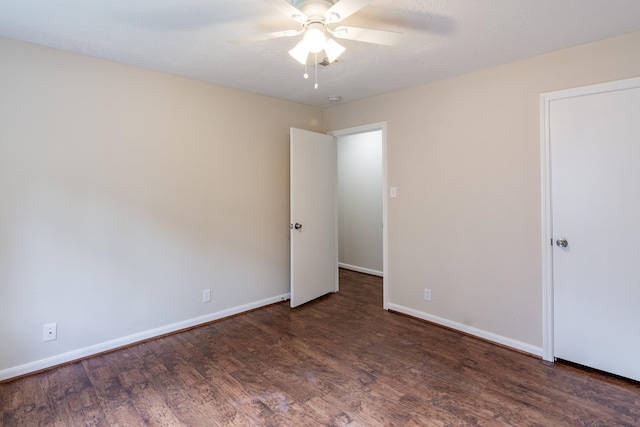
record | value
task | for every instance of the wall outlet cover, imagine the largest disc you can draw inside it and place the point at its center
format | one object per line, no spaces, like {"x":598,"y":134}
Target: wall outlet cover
{"x":49,"y":332}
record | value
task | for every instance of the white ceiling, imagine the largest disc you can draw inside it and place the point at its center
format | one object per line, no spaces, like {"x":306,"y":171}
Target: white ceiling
{"x":190,"y":38}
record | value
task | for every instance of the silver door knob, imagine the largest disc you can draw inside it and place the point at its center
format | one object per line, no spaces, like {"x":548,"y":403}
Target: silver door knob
{"x":298,"y":226}
{"x":562,"y":243}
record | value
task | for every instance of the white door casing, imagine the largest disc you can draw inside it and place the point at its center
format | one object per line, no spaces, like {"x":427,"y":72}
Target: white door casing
{"x":591,"y":175}
{"x":313,"y":215}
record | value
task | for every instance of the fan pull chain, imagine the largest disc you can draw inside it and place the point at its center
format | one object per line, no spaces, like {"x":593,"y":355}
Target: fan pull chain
{"x":305,"y":75}
{"x":316,"y":85}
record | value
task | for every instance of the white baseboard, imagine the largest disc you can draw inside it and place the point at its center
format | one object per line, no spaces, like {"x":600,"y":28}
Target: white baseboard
{"x":489,"y":336}
{"x":361,"y":269}
{"x":132,"y":339}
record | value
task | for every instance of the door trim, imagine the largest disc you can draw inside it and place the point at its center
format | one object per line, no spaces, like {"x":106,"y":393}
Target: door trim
{"x":547,"y":209}
{"x":381,"y":126}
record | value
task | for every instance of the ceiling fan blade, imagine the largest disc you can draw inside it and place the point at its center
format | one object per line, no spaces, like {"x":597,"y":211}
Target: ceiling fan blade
{"x":268,"y":36}
{"x":288,"y":9}
{"x":388,"y":38}
{"x":343,"y":9}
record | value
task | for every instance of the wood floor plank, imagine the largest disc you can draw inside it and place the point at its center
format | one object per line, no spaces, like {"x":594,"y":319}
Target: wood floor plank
{"x":340,"y":360}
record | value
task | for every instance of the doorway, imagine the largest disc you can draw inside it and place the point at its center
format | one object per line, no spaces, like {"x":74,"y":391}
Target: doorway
{"x":362,"y":235}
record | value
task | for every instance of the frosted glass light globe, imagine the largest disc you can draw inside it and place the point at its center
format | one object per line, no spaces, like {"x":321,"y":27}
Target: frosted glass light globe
{"x":315,"y":40}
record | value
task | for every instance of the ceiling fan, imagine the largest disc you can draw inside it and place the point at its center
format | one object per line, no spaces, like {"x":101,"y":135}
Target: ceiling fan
{"x":317,"y":18}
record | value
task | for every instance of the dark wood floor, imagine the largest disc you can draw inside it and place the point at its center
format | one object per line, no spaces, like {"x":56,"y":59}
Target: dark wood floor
{"x":340,"y":360}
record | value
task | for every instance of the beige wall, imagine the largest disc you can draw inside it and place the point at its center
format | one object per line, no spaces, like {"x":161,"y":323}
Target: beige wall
{"x":124,"y":193}
{"x":464,"y":154}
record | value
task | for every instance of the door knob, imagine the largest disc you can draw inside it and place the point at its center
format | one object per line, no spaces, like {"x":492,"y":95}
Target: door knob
{"x":298,"y":226}
{"x":562,"y":243}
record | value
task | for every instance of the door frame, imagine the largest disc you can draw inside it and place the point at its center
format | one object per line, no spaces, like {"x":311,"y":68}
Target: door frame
{"x":547,"y":208}
{"x":382,"y":127}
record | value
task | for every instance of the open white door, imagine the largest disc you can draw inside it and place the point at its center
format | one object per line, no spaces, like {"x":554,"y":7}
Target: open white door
{"x":595,"y":179}
{"x":314,"y":254}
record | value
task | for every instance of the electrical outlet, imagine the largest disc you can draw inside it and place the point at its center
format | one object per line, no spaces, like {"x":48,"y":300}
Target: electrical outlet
{"x":427,"y":294}
{"x":49,"y":332}
{"x":206,"y":295}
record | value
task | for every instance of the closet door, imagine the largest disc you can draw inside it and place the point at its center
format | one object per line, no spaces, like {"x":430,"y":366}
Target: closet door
{"x":595,"y":188}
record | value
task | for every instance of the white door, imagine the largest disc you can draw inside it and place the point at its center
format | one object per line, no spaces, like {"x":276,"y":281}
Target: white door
{"x":314,"y":254}
{"x":595,"y":190}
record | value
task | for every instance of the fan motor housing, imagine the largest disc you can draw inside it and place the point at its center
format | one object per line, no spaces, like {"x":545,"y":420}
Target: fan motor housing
{"x":314,"y":9}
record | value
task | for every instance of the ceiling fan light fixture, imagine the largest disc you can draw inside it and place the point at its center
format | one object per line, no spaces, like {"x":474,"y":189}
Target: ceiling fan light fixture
{"x":300,"y":52}
{"x":333,"y":50}
{"x":317,"y":18}
{"x":314,"y":40}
